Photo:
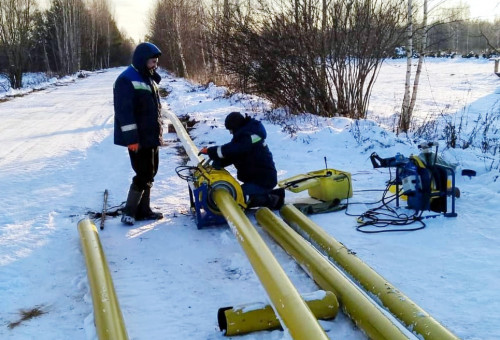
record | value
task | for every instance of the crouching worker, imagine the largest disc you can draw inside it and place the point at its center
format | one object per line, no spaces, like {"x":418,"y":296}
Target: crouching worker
{"x":138,"y":127}
{"x":252,"y":159}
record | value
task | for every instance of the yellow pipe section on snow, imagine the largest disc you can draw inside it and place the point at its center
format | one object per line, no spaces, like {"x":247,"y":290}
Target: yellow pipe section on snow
{"x":259,"y":316}
{"x":187,"y":142}
{"x":108,"y":317}
{"x":288,"y":304}
{"x":354,"y":302}
{"x":414,"y":317}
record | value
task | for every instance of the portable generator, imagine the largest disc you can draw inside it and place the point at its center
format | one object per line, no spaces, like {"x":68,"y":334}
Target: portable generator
{"x":426,"y":182}
{"x":202,"y":180}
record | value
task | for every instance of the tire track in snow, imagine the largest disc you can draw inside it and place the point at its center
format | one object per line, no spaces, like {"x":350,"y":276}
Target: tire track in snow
{"x":46,"y":136}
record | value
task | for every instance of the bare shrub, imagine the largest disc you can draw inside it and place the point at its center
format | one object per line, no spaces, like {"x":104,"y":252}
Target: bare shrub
{"x":27,"y":314}
{"x":313,"y":56}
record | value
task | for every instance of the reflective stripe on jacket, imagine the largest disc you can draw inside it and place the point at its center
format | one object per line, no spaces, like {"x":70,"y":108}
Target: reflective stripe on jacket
{"x":137,"y":109}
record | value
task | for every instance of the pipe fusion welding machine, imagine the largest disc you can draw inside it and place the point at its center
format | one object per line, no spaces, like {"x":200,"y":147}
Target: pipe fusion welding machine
{"x":203,"y":179}
{"x":423,"y":180}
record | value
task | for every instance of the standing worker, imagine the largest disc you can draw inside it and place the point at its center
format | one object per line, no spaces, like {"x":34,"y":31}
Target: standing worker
{"x":249,"y":153}
{"x":138,"y":126}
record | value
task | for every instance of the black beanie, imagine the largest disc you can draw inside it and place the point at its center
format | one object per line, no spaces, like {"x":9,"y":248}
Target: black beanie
{"x":234,"y":121}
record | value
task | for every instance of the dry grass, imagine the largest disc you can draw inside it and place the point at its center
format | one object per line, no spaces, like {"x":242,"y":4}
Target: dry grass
{"x":27,"y":314}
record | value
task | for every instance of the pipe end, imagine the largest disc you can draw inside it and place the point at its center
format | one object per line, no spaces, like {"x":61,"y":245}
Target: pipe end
{"x":221,"y":318}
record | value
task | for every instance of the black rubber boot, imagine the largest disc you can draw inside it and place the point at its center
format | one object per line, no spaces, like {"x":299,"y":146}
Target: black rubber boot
{"x":133,"y":200}
{"x":280,"y":192}
{"x":274,"y":200}
{"x":144,"y":211}
{"x":255,"y":201}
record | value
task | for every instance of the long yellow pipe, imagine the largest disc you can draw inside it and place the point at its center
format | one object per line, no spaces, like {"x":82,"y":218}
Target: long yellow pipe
{"x":354,"y":302}
{"x":108,"y":317}
{"x":414,"y":317}
{"x":288,"y":304}
{"x":187,"y":142}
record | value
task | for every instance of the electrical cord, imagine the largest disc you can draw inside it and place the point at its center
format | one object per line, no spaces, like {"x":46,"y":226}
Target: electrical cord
{"x":384,"y":216}
{"x":181,"y":169}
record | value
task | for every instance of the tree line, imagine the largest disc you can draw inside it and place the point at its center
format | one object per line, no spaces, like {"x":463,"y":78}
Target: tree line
{"x":70,"y":35}
{"x":316,"y":56}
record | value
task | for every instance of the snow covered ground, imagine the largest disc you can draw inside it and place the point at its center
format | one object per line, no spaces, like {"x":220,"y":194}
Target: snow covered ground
{"x":57,"y":157}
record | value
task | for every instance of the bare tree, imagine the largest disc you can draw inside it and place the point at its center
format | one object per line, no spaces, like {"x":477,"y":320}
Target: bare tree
{"x":66,"y":22}
{"x":491,"y":35}
{"x":311,"y":56}
{"x":16,"y":28}
{"x":421,"y":33}
{"x":456,"y":17}
{"x":177,"y":27}
{"x":404,"y":120}
{"x":273,"y":51}
{"x":421,"y":54}
{"x":98,"y":26}
{"x":363,"y":34}
{"x":177,"y":34}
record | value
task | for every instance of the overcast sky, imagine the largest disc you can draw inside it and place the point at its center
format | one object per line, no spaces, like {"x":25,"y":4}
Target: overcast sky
{"x":132,"y":15}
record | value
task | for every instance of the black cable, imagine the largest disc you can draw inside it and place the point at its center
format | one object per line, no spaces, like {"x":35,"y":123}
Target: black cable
{"x":364,"y":203}
{"x":384,"y":216}
{"x":185,"y":168}
{"x":286,"y":185}
{"x":112,"y":211}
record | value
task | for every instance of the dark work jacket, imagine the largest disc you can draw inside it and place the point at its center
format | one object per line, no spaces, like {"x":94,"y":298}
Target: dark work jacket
{"x":137,"y":105}
{"x":250,"y":155}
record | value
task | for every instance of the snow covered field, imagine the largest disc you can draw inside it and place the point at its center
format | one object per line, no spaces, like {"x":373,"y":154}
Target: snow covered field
{"x":57,"y":157}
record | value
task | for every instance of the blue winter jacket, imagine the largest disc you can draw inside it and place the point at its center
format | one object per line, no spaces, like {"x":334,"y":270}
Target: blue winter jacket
{"x":250,"y":155}
{"x":137,"y":103}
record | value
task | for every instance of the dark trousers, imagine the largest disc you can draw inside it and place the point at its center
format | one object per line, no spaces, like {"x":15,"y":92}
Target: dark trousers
{"x":145,"y":164}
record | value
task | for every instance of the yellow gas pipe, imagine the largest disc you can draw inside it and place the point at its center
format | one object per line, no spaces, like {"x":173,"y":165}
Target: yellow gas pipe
{"x":259,"y":316}
{"x":414,"y":317}
{"x":353,"y":301}
{"x":108,"y":317}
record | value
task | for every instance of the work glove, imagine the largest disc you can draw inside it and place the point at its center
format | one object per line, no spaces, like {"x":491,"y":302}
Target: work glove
{"x":133,"y":147}
{"x":203,"y":151}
